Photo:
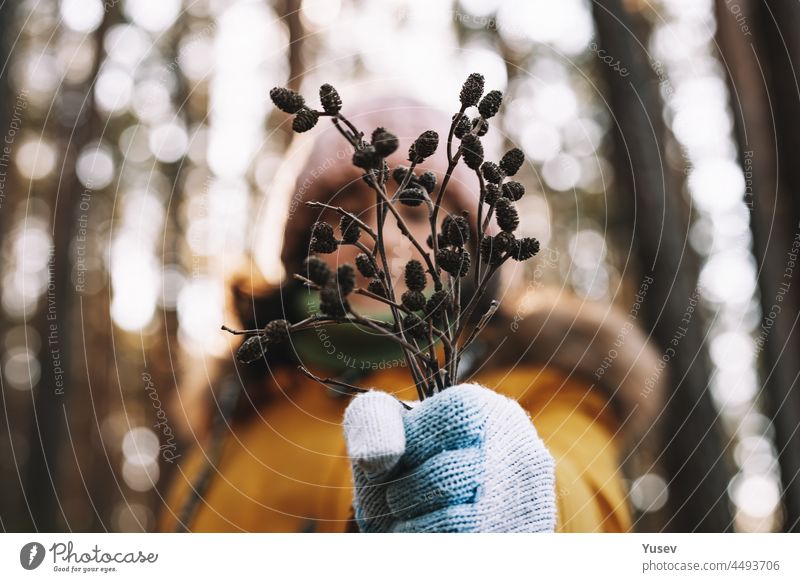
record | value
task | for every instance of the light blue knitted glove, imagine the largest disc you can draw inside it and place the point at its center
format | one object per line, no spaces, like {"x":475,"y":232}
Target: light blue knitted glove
{"x":464,"y":460}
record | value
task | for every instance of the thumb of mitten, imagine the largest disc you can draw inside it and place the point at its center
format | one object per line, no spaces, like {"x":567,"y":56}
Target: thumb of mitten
{"x":374,"y":431}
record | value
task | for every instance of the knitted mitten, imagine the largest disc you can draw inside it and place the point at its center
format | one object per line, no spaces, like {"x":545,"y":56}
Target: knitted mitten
{"x":464,"y":460}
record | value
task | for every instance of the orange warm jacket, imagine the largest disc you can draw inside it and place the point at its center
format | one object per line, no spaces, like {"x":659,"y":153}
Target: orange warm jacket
{"x":286,"y":470}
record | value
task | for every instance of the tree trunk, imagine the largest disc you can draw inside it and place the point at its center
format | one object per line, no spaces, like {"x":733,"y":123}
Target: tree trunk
{"x":693,"y":455}
{"x":760,"y":48}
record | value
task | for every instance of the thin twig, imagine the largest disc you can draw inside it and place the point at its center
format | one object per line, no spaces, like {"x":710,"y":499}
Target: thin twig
{"x":298,"y":326}
{"x":375,"y":325}
{"x":328,"y":382}
{"x":240,"y":331}
{"x":437,"y":376}
{"x":364,"y":226}
{"x":453,"y":126}
{"x":408,"y":353}
{"x":331,"y":381}
{"x":308,"y":282}
{"x":457,"y":319}
{"x":382,"y":203}
{"x":482,"y":323}
{"x":362,"y":247}
{"x":401,"y":224}
{"x":353,"y":138}
{"x":488,"y":216}
{"x":358,"y":134}
{"x":475,"y":299}
{"x":407,"y":177}
{"x":371,"y":295}
{"x":479,"y":230}
{"x":439,"y":197}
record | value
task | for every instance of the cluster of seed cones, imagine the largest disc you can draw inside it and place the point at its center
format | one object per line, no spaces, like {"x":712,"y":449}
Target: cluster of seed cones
{"x":431,"y":309}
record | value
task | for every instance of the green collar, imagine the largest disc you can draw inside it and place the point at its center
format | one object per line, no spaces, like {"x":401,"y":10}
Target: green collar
{"x":343,"y":348}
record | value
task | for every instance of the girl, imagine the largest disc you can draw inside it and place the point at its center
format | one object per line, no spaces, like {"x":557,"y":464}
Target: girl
{"x":531,"y":439}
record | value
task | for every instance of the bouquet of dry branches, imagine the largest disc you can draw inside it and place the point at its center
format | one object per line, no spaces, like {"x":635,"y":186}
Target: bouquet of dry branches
{"x":430,"y":321}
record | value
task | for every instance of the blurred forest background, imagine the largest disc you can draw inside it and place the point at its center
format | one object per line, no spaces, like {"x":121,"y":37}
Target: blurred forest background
{"x":139,"y":152}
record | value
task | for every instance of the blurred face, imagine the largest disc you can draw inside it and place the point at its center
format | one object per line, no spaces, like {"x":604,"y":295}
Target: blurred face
{"x":330,"y":177}
{"x":360,"y":199}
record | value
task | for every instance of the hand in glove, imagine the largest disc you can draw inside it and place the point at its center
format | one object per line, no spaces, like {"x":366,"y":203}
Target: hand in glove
{"x":464,"y":460}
